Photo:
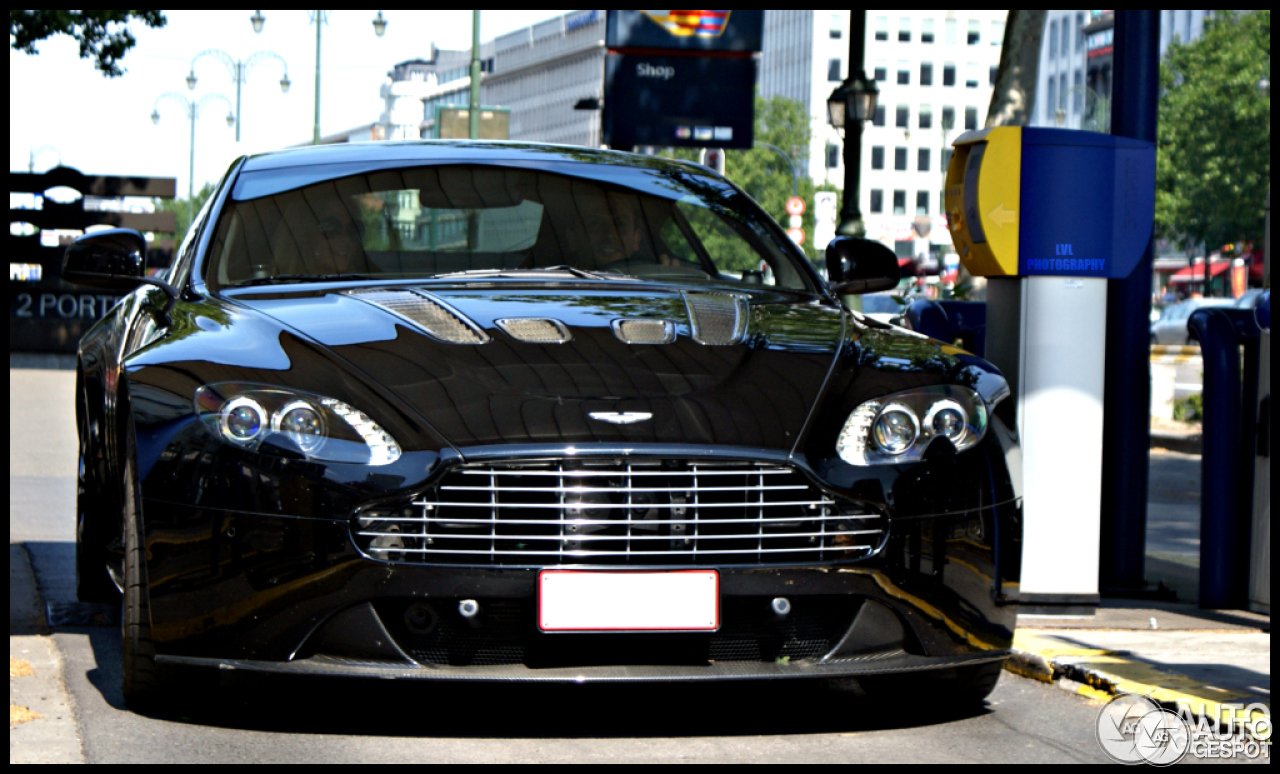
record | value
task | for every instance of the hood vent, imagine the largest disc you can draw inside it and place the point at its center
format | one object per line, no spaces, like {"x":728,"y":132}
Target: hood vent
{"x":535,"y":330}
{"x":428,"y":313}
{"x":645,"y":331}
{"x":717,"y":319}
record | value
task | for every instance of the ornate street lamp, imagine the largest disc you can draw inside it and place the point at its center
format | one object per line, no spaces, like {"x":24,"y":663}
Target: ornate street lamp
{"x":848,"y":108}
{"x":319,"y":18}
{"x":192,"y":111}
{"x":854,"y":97}
{"x":239,"y":71}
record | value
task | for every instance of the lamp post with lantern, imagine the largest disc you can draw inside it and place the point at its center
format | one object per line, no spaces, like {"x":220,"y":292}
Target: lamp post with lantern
{"x":848,"y":107}
{"x":192,"y":110}
{"x":319,"y":18}
{"x":239,"y":70}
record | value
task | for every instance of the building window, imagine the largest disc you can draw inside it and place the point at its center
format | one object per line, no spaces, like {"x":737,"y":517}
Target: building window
{"x":1079,"y":32}
{"x":1062,"y":91}
{"x":1051,"y":104}
{"x":948,"y":118}
{"x":991,"y":75}
{"x":1077,"y":92}
{"x":904,"y":29}
{"x":1053,"y":39}
{"x":949,"y":27}
{"x":878,"y":118}
{"x":901,"y":116}
{"x":899,"y":159}
{"x":882,"y":70}
{"x":837,"y":26}
{"x":833,"y":155}
{"x":904,"y":72}
{"x":975,"y":32}
{"x":833,"y":70}
{"x":948,"y":74}
{"x":971,"y":76}
{"x":926,"y":73}
{"x":997,"y":32}
{"x":970,"y":119}
{"x":926,"y":116}
{"x":882,"y":28}
{"x":877,"y":200}
{"x":926,"y":30}
{"x":1066,"y":38}
{"x":922,"y":202}
{"x":877,"y":157}
{"x":899,"y":202}
{"x":922,"y":160}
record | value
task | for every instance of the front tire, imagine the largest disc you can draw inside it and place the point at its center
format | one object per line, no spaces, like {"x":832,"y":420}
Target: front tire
{"x":141,"y":685}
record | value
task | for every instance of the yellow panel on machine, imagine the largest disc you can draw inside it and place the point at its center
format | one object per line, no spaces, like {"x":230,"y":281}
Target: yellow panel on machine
{"x":983,"y":194}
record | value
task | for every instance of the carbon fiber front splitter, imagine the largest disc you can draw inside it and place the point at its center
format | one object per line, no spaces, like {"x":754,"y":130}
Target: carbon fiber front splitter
{"x":879,"y":664}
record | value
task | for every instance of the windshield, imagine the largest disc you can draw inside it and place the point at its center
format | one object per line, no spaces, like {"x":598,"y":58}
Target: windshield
{"x":599,"y":221}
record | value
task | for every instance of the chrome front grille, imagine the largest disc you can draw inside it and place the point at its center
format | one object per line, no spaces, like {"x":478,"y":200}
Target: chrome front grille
{"x":620,"y":512}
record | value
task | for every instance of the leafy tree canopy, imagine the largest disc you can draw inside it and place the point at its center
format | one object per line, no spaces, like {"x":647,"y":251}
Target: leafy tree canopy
{"x":102,"y":34}
{"x":764,"y":173}
{"x":1213,"y":163}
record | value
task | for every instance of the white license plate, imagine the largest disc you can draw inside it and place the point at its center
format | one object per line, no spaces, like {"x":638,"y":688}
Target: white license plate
{"x":683,"y":600}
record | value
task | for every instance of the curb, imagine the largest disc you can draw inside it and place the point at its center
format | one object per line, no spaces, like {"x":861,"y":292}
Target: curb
{"x":1102,"y":674}
{"x":1187,"y":444}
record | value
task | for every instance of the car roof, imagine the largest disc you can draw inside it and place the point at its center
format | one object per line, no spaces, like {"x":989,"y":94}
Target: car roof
{"x":437,"y":151}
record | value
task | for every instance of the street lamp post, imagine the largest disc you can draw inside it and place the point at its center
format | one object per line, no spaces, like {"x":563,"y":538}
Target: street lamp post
{"x":192,"y":110}
{"x":239,"y":70}
{"x":848,"y":107}
{"x":319,"y":18}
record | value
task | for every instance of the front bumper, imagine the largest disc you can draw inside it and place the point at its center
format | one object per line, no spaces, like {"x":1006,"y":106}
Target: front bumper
{"x":284,"y":594}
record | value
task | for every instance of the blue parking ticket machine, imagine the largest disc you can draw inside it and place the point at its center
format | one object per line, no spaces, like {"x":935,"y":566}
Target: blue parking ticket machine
{"x":1048,"y":215}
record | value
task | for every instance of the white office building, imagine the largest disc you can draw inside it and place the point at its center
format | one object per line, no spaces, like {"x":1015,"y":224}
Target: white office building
{"x":934,"y":70}
{"x":1073,"y":88}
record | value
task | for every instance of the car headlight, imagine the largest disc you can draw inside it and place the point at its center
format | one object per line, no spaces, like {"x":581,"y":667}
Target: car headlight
{"x":899,"y":427}
{"x":247,"y":415}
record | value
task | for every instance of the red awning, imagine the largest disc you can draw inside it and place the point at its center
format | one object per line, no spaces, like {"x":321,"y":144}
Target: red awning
{"x":1196,"y":273}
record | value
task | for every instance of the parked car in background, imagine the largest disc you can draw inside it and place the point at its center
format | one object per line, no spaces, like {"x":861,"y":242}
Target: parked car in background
{"x":1171,"y":329}
{"x":1248,"y":298}
{"x":512,"y":412}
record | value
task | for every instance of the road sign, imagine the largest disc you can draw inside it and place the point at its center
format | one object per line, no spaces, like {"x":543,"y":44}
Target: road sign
{"x":795,"y":221}
{"x":795,"y":206}
{"x":797,"y":235}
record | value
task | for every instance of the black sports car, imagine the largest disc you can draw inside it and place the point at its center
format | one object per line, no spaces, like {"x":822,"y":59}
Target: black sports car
{"x":466,"y":411}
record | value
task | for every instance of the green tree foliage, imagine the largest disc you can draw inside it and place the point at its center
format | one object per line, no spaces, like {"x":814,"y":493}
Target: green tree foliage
{"x":179,"y":208}
{"x":1213,"y":164}
{"x":103,"y":35}
{"x":763,"y":173}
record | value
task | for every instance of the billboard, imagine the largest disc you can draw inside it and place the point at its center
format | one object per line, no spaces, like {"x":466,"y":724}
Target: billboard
{"x":679,"y":101}
{"x":739,"y":31}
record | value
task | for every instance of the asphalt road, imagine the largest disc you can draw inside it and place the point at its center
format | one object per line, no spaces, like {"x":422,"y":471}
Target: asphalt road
{"x":251,"y":719}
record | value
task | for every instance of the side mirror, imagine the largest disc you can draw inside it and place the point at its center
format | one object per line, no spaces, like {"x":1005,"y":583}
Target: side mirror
{"x":857,"y":265}
{"x":111,"y":259}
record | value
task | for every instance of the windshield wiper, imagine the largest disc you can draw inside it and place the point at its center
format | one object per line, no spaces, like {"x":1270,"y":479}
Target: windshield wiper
{"x":573,"y":270}
{"x":281,"y":278}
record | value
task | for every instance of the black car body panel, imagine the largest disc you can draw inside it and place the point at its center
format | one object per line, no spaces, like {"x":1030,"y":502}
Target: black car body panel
{"x":253,"y":558}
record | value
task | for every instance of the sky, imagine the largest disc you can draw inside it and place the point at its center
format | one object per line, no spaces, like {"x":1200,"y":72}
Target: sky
{"x":63,"y":109}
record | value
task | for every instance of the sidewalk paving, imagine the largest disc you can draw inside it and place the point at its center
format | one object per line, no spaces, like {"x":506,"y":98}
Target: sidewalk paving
{"x":1172,"y":653}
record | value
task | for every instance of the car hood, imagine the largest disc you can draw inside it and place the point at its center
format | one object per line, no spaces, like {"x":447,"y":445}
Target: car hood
{"x":757,"y":392}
